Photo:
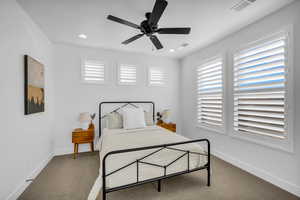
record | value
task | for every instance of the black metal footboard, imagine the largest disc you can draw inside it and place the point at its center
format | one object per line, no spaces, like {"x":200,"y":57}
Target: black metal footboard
{"x":185,"y":153}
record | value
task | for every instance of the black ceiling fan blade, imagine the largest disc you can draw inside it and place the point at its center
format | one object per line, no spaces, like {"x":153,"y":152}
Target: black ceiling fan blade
{"x":159,"y":8}
{"x":184,"y":30}
{"x":132,"y":39}
{"x":156,"y":42}
{"x":122,"y":21}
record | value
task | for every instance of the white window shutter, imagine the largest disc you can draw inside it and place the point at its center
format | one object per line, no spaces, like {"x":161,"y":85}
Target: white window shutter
{"x":157,"y":77}
{"x":127,"y":74}
{"x":210,"y":94}
{"x":93,"y":72}
{"x":259,"y":88}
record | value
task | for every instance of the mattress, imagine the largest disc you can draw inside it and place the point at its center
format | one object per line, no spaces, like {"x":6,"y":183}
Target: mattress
{"x":118,"y":139}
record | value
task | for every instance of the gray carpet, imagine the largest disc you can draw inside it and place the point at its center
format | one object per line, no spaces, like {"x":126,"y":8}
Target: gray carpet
{"x":67,"y":179}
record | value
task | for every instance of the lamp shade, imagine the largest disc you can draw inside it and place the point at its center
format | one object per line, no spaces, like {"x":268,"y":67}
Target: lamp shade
{"x":84,"y":117}
{"x":166,"y":114}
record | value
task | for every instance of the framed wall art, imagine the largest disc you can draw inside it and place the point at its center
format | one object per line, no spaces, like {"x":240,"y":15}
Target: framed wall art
{"x":34,"y":86}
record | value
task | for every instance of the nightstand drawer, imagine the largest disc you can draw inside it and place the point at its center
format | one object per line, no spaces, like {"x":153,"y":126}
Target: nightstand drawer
{"x":82,"y":139}
{"x":83,"y":134}
{"x":169,"y":126}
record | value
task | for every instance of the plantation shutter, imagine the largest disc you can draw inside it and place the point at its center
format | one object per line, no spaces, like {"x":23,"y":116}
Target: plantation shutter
{"x":93,"y":72}
{"x":210,"y":94}
{"x":157,"y":77}
{"x":259,"y":88}
{"x":127,"y":75}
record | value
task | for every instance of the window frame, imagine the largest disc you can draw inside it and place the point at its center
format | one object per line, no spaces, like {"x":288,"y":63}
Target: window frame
{"x":119,"y":74}
{"x":286,"y":144}
{"x":82,"y":70}
{"x":149,"y":77}
{"x":221,"y":129}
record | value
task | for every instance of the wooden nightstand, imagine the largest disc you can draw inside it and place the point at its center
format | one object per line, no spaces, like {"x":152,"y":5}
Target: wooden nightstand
{"x":169,"y":126}
{"x":80,"y":136}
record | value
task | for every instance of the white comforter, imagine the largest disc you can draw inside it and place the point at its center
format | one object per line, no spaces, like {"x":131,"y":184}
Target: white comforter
{"x":118,"y":139}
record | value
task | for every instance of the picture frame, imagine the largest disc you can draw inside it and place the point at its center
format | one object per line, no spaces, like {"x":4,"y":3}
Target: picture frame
{"x":34,"y":86}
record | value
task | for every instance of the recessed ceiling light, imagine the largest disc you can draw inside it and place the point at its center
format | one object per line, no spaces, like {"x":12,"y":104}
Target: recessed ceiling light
{"x":82,"y":36}
{"x":172,"y":50}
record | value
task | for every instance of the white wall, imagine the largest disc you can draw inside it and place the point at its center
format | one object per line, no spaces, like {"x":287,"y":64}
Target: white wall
{"x":73,"y":96}
{"x":276,"y":166}
{"x":26,"y":141}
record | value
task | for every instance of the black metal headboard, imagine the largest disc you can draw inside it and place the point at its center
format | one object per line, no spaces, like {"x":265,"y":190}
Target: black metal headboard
{"x":125,"y":103}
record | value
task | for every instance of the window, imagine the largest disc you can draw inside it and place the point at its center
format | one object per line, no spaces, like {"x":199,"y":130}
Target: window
{"x":93,"y":72}
{"x":260,"y":88}
{"x":127,"y":74}
{"x":157,"y":77}
{"x":210,"y":94}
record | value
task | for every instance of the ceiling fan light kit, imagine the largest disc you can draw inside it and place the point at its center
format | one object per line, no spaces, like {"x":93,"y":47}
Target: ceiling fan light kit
{"x":149,"y":26}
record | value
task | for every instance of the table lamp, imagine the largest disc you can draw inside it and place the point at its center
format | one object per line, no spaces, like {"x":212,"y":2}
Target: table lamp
{"x":166,"y":115}
{"x":85,"y":120}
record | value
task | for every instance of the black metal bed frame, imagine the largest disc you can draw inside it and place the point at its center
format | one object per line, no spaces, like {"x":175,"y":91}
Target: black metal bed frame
{"x":157,"y":148}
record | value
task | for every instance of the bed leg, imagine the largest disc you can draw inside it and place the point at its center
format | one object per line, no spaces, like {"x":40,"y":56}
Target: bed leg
{"x":103,"y":195}
{"x":159,"y":185}
{"x":208,"y":176}
{"x":208,"y":163}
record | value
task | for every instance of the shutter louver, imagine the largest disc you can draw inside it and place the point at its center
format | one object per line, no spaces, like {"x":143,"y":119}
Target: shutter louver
{"x":93,"y":72}
{"x":127,"y":75}
{"x":210,"y":94}
{"x":157,"y":77}
{"x":259,"y":88}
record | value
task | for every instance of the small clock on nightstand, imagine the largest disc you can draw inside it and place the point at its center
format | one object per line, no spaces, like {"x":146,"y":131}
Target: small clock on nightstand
{"x":80,"y":136}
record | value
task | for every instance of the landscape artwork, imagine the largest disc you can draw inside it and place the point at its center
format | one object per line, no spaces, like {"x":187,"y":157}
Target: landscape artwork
{"x":34,"y":86}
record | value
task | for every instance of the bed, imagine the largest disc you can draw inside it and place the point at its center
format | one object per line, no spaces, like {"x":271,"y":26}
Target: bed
{"x":137,"y":156}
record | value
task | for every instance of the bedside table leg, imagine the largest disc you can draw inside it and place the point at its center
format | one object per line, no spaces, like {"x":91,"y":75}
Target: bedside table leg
{"x":74,"y":154}
{"x":92,"y":146}
{"x":75,"y":150}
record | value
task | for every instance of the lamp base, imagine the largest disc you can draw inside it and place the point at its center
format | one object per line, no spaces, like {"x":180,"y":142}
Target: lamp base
{"x":85,"y":125}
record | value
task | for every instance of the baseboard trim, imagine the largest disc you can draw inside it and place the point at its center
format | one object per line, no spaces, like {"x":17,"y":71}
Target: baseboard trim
{"x":23,"y":185}
{"x":290,"y":187}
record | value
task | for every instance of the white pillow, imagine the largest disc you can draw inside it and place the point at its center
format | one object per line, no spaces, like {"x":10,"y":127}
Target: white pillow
{"x":114,"y":121}
{"x":149,"y":119}
{"x":133,"y":118}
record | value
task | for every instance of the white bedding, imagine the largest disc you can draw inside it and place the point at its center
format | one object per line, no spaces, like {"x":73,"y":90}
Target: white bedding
{"x":117,"y":139}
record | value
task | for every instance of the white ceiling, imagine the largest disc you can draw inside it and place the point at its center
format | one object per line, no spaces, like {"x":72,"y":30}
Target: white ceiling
{"x":210,"y":20}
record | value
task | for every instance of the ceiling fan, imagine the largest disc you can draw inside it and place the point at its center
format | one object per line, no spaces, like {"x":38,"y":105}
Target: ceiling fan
{"x":149,"y":26}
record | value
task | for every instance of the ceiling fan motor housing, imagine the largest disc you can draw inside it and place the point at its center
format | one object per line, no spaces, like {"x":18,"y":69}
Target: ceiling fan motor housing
{"x":146,"y":27}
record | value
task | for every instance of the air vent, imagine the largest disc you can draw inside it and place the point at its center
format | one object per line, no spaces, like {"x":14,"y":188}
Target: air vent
{"x":242,"y":5}
{"x":184,"y":45}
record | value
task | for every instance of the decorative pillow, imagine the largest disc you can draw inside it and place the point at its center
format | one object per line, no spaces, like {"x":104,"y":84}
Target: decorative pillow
{"x":133,"y":118}
{"x":149,"y":118}
{"x":114,"y":121}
